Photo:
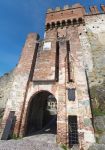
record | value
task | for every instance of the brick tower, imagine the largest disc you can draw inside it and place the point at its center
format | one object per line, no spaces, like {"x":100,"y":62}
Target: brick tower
{"x":51,"y":79}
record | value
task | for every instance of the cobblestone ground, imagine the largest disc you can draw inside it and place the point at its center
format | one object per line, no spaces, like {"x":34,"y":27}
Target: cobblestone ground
{"x":37,"y":142}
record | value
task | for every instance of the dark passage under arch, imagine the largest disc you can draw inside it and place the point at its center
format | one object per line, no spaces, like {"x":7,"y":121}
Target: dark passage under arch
{"x":41,"y":117}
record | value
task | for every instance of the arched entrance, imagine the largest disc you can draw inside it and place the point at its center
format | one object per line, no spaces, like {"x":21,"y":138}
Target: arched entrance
{"x":42,"y":114}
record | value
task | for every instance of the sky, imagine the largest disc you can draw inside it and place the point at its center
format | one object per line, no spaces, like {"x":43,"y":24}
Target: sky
{"x":20,"y":17}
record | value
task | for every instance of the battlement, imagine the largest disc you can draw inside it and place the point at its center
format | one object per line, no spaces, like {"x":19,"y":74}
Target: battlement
{"x":69,"y":15}
{"x":93,"y":9}
{"x":75,"y":6}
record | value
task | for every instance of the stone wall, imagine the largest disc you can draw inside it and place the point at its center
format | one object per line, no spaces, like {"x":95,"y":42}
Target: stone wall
{"x":85,"y":59}
{"x":5,"y":88}
{"x":92,"y":38}
{"x":23,"y":73}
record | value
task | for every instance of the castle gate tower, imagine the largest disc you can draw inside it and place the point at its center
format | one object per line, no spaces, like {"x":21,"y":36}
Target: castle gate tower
{"x":50,"y":88}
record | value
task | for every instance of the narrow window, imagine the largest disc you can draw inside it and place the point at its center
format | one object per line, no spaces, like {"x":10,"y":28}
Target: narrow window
{"x":57,"y":62}
{"x":69,"y":66}
{"x":73,"y":130}
{"x":68,"y":63}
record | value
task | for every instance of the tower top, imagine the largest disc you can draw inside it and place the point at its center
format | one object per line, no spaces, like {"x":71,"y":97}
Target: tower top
{"x":69,"y":15}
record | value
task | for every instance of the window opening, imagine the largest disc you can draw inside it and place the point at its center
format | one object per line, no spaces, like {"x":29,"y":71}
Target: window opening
{"x":68,"y":22}
{"x":74,"y":21}
{"x":57,"y":62}
{"x":73,"y":130}
{"x":58,"y":24}
{"x":68,"y":62}
{"x":71,"y":94}
{"x":63,"y":23}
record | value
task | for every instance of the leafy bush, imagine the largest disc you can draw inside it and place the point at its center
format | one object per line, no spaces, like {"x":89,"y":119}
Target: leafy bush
{"x":98,"y":112}
{"x":64,"y":147}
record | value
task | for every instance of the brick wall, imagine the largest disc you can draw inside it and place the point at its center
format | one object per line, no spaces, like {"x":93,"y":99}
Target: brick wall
{"x":86,"y":61}
{"x":22,"y":73}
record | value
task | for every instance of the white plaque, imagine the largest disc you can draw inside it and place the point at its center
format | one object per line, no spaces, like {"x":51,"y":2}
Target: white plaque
{"x":47,"y":46}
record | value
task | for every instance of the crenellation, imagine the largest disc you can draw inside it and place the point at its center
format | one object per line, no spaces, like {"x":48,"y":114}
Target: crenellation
{"x":49,"y":10}
{"x":60,"y":78}
{"x":66,"y":7}
{"x":58,"y":9}
{"x":103,"y":8}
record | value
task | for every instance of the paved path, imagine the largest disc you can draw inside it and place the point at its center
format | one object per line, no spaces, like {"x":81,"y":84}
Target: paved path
{"x":37,"y":142}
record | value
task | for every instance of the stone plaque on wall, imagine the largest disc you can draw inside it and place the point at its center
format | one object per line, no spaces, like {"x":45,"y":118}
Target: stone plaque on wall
{"x":47,"y":46}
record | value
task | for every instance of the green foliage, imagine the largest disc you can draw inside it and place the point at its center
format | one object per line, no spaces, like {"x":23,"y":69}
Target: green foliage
{"x":97,"y":140}
{"x":98,"y":112}
{"x":64,"y":147}
{"x":14,"y":136}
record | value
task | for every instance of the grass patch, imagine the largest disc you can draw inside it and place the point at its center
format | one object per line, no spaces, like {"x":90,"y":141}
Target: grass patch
{"x":98,"y":112}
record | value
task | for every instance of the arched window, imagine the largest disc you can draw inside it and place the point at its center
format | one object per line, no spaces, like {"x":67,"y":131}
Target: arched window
{"x":68,"y":22}
{"x":58,"y":23}
{"x":48,"y":26}
{"x":63,"y":23}
{"x":74,"y":21}
{"x":53,"y":24}
{"x":80,"y":20}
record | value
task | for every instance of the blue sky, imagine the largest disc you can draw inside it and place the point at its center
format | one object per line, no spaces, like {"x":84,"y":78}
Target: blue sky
{"x":20,"y":17}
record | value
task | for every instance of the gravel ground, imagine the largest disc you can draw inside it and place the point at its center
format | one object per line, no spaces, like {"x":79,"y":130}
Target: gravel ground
{"x":37,"y":142}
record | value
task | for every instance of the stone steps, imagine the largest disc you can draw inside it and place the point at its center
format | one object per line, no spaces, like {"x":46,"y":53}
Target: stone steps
{"x":37,"y":142}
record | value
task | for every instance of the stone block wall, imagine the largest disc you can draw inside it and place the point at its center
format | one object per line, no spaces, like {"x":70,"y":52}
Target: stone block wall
{"x":6,"y":82}
{"x":45,"y":62}
{"x":92,"y":38}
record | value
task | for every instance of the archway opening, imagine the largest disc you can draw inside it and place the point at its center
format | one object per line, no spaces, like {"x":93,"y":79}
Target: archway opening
{"x":42,"y":114}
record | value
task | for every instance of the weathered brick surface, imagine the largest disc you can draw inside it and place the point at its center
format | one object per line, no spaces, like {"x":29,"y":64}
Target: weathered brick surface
{"x":86,"y":59}
{"x":71,"y":13}
{"x":45,"y":64}
{"x":61,"y":133}
{"x":19,"y":87}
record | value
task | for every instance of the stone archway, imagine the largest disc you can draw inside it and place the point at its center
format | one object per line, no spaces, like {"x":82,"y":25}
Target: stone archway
{"x":42,"y":114}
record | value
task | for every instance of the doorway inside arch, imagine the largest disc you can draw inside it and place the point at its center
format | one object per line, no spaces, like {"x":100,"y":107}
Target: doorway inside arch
{"x":42,"y":114}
